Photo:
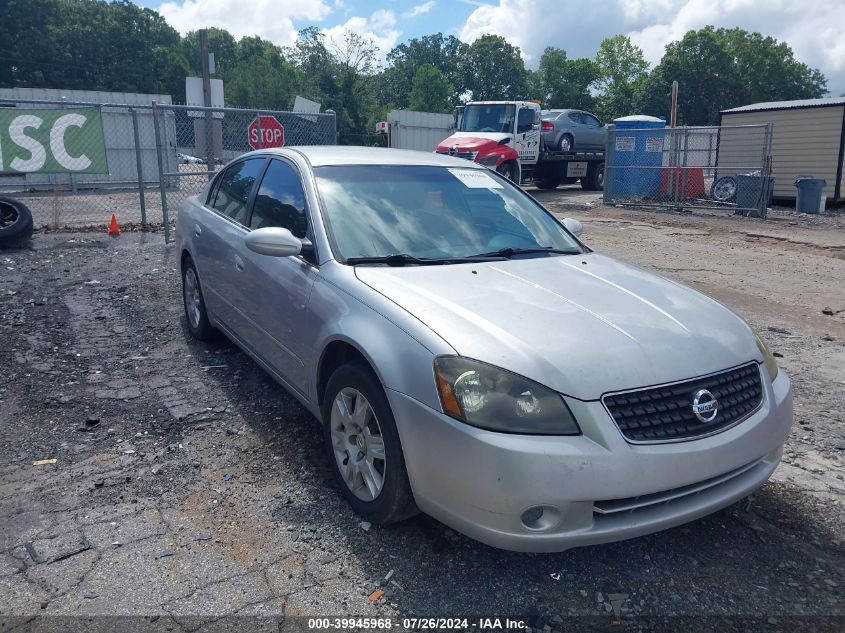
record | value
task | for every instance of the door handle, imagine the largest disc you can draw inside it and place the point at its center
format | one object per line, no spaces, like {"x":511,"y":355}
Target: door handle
{"x":239,"y":264}
{"x":197,"y":230}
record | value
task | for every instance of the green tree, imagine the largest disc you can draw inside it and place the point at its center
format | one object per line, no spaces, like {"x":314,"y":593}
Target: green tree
{"x":443,"y":53}
{"x":768,"y":69}
{"x":720,"y":69}
{"x":88,"y":45}
{"x":340,"y":75}
{"x":621,"y":67}
{"x":220,"y":42}
{"x":261,"y":76}
{"x":706,"y":74}
{"x":564,"y":83}
{"x":431,"y":92}
{"x":494,"y":69}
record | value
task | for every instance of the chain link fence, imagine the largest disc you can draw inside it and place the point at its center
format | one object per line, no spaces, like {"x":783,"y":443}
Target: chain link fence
{"x":202,"y":140}
{"x":725,"y":167}
{"x":185,"y":144}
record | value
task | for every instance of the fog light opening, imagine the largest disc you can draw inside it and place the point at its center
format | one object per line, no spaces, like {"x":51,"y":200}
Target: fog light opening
{"x":540,"y":518}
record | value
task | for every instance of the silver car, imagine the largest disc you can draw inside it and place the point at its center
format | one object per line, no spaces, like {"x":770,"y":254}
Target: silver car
{"x":469,"y":357}
{"x":570,"y":130}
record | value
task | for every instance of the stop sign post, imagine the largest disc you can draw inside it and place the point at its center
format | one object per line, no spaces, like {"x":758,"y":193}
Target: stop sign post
{"x":265,"y":131}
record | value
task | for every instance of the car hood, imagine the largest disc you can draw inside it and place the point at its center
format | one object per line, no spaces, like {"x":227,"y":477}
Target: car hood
{"x":583,"y":325}
{"x":472,"y":141}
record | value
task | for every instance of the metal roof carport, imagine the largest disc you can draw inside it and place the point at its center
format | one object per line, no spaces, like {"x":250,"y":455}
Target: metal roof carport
{"x":808,"y":139}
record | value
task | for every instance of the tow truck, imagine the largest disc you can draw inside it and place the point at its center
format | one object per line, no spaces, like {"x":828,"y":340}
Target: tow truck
{"x":507,"y":136}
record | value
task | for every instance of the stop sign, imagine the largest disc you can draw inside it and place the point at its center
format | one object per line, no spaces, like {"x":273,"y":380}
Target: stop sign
{"x":265,"y":131}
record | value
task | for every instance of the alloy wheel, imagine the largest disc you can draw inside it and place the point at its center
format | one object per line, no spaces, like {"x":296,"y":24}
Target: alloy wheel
{"x":192,"y":298}
{"x":358,"y":444}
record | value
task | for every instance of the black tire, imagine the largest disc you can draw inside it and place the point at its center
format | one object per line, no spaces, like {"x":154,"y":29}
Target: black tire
{"x":15,"y":222}
{"x":547,"y":183}
{"x":508,"y":170}
{"x":198,"y":325}
{"x":565,"y":140}
{"x":395,"y":501}
{"x":594,"y":180}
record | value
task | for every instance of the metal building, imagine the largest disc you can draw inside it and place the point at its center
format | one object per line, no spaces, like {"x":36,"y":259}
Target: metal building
{"x":418,"y":130}
{"x":808,"y":139}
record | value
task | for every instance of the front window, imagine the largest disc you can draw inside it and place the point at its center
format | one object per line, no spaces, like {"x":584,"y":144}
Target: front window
{"x":488,"y":118}
{"x":429,"y":212}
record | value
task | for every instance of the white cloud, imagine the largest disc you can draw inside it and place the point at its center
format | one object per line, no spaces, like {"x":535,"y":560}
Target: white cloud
{"x":419,"y":9}
{"x":380,"y":27}
{"x":816,"y":32}
{"x":270,"y":19}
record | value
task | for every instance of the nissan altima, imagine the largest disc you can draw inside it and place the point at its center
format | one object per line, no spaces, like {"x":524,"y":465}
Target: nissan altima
{"x":468,"y":356}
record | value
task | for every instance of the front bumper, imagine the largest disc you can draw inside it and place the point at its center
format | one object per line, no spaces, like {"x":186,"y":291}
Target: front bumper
{"x":597,"y":487}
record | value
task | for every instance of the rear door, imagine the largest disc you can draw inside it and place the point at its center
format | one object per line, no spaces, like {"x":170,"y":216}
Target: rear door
{"x":218,"y":235}
{"x":275,"y":290}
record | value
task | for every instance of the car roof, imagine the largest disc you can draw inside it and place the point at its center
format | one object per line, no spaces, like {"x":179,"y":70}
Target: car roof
{"x":321,"y":155}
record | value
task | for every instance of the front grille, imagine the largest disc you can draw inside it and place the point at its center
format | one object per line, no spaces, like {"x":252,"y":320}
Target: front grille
{"x":464,"y":155}
{"x":664,"y":413}
{"x":642,"y":502}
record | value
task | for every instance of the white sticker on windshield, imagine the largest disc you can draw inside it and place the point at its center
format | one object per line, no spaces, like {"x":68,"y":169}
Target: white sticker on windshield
{"x":476,"y":178}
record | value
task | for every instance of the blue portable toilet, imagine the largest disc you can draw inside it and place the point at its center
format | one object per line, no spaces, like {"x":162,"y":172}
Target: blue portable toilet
{"x":636,"y":155}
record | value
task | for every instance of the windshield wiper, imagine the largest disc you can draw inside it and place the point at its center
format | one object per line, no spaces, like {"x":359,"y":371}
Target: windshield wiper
{"x":403,"y":259}
{"x":509,"y":252}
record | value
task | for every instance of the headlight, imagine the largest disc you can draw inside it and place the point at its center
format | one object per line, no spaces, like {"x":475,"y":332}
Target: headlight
{"x":489,"y":161}
{"x":768,"y":358}
{"x":498,"y":400}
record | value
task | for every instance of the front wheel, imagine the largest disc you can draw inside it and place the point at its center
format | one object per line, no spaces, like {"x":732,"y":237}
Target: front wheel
{"x":508,"y":170}
{"x":363,"y":446}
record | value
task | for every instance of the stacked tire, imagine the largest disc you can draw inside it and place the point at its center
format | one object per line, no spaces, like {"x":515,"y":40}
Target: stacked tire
{"x":15,"y":223}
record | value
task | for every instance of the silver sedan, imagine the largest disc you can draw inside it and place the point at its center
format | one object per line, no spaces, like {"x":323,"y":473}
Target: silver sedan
{"x":469,"y":357}
{"x":571,"y":130}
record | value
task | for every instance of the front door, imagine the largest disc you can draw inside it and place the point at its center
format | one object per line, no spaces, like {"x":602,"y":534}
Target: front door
{"x":275,"y":290}
{"x":527,"y":138}
{"x":594,"y":133}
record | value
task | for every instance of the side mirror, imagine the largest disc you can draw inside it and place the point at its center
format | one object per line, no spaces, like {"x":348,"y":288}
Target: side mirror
{"x":573,"y":226}
{"x":273,"y":241}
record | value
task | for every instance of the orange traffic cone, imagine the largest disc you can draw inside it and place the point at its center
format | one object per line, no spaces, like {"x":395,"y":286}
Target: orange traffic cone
{"x":114,"y":229}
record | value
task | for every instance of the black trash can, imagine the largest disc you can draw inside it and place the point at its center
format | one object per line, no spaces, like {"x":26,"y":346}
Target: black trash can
{"x":749,"y":190}
{"x":809,"y":198}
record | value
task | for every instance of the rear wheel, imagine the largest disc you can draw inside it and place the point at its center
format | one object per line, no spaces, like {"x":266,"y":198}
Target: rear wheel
{"x":547,"y":182}
{"x":195,"y":314}
{"x":565,"y":143}
{"x":594,"y":180}
{"x":363,"y":446}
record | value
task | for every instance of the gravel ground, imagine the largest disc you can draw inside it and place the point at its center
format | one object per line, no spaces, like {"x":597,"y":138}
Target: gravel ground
{"x":188,"y":486}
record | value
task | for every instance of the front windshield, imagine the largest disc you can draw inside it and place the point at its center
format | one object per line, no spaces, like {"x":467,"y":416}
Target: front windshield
{"x":431,"y":213}
{"x":488,"y":118}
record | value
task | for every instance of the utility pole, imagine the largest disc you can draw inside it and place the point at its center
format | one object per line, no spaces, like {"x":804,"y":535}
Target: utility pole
{"x":206,"y":96}
{"x":673,"y":116}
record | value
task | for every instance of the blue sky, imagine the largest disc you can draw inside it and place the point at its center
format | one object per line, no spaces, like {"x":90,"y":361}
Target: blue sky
{"x":816,"y":34}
